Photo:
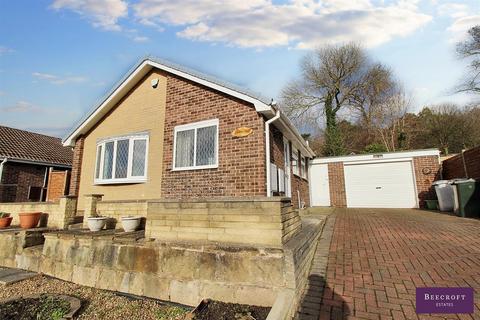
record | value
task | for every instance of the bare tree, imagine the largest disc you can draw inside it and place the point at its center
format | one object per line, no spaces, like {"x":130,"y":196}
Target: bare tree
{"x":377,"y":89}
{"x":470,"y":50}
{"x":388,"y":118}
{"x":331,"y":76}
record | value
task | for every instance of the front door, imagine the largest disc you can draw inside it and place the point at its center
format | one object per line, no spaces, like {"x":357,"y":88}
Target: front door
{"x":288,"y":170}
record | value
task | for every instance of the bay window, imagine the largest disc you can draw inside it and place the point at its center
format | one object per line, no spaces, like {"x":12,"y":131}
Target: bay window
{"x":121,"y":159}
{"x":195,"y":145}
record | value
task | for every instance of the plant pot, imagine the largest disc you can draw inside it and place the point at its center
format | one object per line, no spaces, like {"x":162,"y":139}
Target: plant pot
{"x":96,"y":223}
{"x":29,"y":220}
{"x":5,"y":222}
{"x":131,"y":224}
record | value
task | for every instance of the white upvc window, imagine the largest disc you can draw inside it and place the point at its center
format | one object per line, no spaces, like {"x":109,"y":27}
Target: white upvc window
{"x":295,"y":162}
{"x":122,"y":159}
{"x":303,"y":165}
{"x":195,"y":145}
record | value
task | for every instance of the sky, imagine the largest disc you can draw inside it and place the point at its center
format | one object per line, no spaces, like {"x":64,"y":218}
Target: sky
{"x":59,"y":58}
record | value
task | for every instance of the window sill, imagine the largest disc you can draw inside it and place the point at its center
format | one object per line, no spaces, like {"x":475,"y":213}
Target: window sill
{"x":195,"y":168}
{"x":121,"y":181}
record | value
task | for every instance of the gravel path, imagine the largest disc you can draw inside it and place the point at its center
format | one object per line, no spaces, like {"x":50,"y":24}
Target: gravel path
{"x":96,"y":304}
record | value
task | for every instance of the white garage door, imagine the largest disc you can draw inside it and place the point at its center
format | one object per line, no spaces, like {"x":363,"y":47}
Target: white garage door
{"x":319,"y":185}
{"x":380,"y":185}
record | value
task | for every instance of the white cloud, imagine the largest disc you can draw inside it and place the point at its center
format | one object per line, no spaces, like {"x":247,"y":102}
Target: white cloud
{"x":454,"y":10}
{"x":59,"y":80}
{"x":5,"y":50}
{"x":463,"y":19}
{"x":101,"y":13}
{"x":461,"y":25}
{"x":22,"y":107}
{"x":301,"y":23}
{"x":140,"y":39}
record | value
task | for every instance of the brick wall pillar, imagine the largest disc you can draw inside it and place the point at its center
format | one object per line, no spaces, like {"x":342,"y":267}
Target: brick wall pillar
{"x":427,"y":170}
{"x":90,"y":206}
{"x":68,"y":207}
{"x":76,"y":166}
{"x":336,"y":180}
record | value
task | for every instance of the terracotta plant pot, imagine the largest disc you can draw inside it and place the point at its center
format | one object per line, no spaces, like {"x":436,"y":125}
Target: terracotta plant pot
{"x":29,"y":220}
{"x":131,"y":224}
{"x":5,"y":222}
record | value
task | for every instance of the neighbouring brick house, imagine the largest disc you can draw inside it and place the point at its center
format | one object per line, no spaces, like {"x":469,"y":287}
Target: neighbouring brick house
{"x":33,"y":167}
{"x":169,"y":132}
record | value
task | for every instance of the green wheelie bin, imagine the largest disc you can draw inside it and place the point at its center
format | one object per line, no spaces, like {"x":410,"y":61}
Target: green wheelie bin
{"x":467,"y":198}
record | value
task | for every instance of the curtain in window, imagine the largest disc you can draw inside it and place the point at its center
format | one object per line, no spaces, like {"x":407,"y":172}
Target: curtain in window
{"x":184,"y":148}
{"x":121,"y":159}
{"x":108,"y":161}
{"x":139,"y":150}
{"x":99,"y":158}
{"x":206,"y":145}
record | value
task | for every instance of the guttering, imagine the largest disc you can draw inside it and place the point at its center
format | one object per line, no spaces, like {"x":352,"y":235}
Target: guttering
{"x":267,"y":150}
{"x":1,"y":168}
{"x":41,"y":163}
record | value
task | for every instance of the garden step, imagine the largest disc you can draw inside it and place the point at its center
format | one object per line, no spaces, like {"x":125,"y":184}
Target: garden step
{"x":9,"y":276}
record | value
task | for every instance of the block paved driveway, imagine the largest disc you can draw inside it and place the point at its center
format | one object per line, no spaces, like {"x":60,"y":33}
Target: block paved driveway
{"x":377,"y":258}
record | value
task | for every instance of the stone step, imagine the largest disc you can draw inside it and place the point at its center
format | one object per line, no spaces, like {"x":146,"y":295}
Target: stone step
{"x":9,"y":276}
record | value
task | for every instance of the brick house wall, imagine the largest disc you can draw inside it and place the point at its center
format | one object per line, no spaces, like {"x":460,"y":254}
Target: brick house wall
{"x":455,"y":167}
{"x":277,"y":157}
{"x":17,"y":178}
{"x":241,"y":167}
{"x":427,"y":170}
{"x":336,"y":179}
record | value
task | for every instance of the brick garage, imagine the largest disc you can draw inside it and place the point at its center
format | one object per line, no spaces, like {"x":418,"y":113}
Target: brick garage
{"x":389,"y":180}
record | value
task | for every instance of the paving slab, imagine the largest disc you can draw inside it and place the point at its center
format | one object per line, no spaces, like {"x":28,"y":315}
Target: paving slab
{"x":9,"y":276}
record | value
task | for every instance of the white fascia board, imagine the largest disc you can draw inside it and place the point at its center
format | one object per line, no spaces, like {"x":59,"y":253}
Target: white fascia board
{"x":134,"y":77}
{"x":378,"y":156}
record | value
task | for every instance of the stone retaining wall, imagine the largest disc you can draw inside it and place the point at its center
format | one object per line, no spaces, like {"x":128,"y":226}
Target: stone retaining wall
{"x":263,"y":221}
{"x":56,"y":214}
{"x":182,"y":272}
{"x":253,"y":221}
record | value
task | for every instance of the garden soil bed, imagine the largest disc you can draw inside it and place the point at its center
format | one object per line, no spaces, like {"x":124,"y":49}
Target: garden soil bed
{"x":42,"y":308}
{"x":216,"y":310}
{"x":96,"y":303}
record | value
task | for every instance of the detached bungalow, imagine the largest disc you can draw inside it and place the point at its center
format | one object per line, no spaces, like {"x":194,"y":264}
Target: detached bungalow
{"x":170,"y":132}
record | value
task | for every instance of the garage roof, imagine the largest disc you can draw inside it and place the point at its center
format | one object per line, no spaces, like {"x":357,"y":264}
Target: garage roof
{"x":378,"y":156}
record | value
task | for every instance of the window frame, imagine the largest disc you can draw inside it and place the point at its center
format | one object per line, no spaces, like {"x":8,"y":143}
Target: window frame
{"x":295,"y":162}
{"x":129,"y":178}
{"x":303,"y":167}
{"x":195,"y":126}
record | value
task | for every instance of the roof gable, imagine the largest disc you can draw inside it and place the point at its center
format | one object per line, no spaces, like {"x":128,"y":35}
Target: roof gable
{"x":261,"y":104}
